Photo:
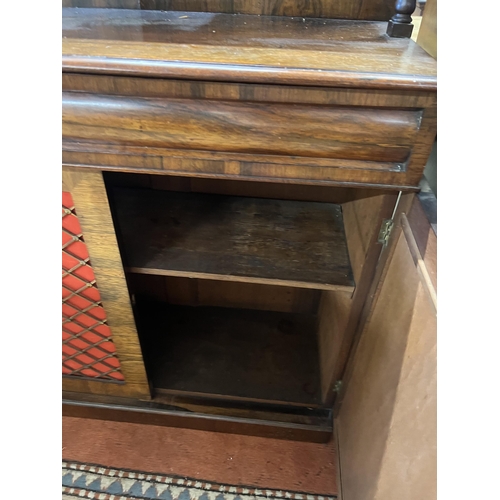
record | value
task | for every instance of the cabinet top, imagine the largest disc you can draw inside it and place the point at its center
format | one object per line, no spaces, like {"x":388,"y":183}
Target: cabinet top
{"x":243,"y":48}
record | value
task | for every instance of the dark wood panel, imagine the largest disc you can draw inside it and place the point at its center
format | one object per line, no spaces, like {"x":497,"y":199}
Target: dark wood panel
{"x":155,"y":414}
{"x":380,"y":10}
{"x":234,"y":407}
{"x":234,"y":170}
{"x":246,"y":92}
{"x":254,"y":240}
{"x":293,"y":192}
{"x":210,"y":405}
{"x":283,"y":191}
{"x":236,"y":100}
{"x":267,"y":168}
{"x":372,"y":135}
{"x":242,"y":48}
{"x":374,"y":10}
{"x":333,"y":317}
{"x":103,"y":4}
{"x":202,"y":292}
{"x":231,"y":353}
{"x":172,"y":27}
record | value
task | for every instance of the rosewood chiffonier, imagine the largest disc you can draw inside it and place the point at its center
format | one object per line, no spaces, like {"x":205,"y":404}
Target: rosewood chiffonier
{"x":242,"y":249}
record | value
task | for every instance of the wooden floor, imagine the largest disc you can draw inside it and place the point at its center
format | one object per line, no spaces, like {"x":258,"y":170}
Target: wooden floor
{"x":224,"y":458}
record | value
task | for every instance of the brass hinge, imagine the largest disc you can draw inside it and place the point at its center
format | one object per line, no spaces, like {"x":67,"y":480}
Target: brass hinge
{"x":388,"y":224}
{"x":385,"y":231}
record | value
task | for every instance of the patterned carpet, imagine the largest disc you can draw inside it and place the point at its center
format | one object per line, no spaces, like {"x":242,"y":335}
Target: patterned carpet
{"x":100,"y":483}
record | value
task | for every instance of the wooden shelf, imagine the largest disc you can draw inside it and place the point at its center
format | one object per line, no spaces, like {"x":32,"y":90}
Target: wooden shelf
{"x":277,"y":242}
{"x":238,"y":354}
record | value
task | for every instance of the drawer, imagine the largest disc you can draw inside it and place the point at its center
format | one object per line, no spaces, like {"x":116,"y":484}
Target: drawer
{"x":264,"y":140}
{"x":250,"y":128}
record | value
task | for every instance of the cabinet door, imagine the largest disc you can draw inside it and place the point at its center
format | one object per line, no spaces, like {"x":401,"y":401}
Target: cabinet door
{"x":101,"y":353}
{"x":386,"y":425}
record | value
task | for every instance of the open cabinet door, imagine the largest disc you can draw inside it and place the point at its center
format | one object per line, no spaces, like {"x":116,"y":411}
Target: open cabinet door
{"x":386,"y":422}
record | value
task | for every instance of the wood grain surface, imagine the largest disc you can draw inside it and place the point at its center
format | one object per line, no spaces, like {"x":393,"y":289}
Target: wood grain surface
{"x":333,"y":316}
{"x":390,"y":398}
{"x":246,"y":92}
{"x":242,"y":48}
{"x":253,"y":168}
{"x":102,"y":4}
{"x":248,"y":132}
{"x":277,"y":191}
{"x":255,"y":240}
{"x":372,"y":135}
{"x":351,"y":9}
{"x":231,"y":353}
{"x":91,"y":204}
{"x":380,"y":10}
{"x":363,"y":218}
{"x":375,"y":270}
{"x":220,"y":96}
{"x":231,"y":459}
{"x":216,"y":293}
{"x":213,"y":415}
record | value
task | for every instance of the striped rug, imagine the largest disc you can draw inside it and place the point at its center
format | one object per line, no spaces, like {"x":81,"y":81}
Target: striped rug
{"x":89,"y":481}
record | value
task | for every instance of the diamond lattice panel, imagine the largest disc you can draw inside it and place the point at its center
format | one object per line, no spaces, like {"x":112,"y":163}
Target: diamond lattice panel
{"x":87,"y":349}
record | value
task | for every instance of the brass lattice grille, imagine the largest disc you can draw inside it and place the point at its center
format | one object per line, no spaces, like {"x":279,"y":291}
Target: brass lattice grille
{"x":88,"y":348}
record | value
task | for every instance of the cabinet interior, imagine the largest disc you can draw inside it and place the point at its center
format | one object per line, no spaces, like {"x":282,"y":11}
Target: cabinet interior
{"x":243,"y":292}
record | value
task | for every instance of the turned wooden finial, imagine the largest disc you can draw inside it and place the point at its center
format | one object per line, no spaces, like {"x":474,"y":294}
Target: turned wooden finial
{"x":400,"y":25}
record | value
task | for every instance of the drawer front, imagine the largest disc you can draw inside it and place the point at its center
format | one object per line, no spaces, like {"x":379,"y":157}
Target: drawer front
{"x":303,"y":131}
{"x":234,"y":137}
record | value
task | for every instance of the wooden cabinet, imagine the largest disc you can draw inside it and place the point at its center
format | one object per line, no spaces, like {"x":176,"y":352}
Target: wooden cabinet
{"x":239,"y":184}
